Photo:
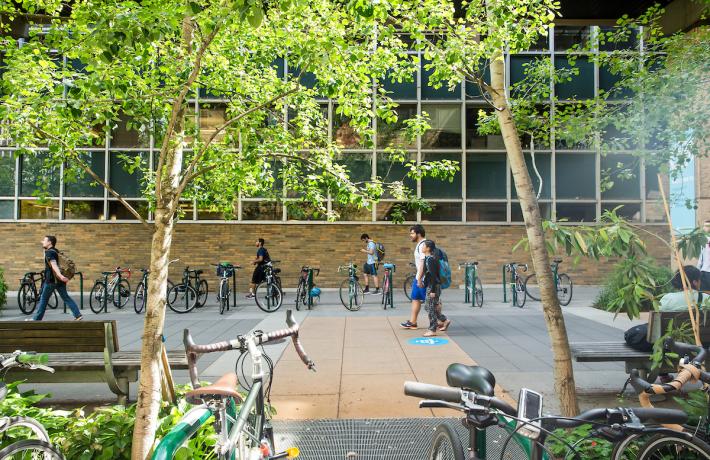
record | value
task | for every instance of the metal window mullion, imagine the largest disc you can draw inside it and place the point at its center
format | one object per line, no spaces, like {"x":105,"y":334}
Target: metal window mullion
{"x":553,"y":140}
{"x":107,"y":174}
{"x":61,"y":191}
{"x":463,"y":150}
{"x":419,"y":137}
{"x":16,"y":205}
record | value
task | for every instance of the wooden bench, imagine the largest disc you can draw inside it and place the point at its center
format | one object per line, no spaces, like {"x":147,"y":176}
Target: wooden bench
{"x":79,"y":351}
{"x":658,"y":322}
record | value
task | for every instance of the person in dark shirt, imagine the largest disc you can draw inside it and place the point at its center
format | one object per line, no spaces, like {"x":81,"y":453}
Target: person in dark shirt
{"x":53,"y":279}
{"x":437,"y":321}
{"x":261,"y":259}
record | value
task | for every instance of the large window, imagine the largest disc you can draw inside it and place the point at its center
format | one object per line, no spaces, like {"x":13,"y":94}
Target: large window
{"x":7,"y":173}
{"x":485,"y":175}
{"x":78,"y":183}
{"x":445,"y":126}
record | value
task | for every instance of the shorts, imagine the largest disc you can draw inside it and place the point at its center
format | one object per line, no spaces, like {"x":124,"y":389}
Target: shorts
{"x":418,"y":293}
{"x":370,"y":269}
{"x":258,"y":276}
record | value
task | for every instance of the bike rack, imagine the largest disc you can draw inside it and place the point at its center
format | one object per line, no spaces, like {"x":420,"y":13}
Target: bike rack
{"x":234,"y":289}
{"x":469,"y":283}
{"x":505,"y":285}
{"x":81,"y":292}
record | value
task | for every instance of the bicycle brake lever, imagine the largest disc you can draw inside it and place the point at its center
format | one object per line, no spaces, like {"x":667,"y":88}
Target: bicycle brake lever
{"x":43,"y":368}
{"x":430,"y":403}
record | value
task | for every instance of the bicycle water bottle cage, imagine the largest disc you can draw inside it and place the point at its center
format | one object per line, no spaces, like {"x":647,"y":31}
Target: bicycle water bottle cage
{"x":474,"y":378}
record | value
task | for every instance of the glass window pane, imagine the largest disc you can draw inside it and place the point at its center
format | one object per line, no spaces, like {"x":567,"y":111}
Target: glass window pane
{"x":262,"y":210}
{"x":117,"y":211}
{"x":212,"y":116}
{"x":84,"y":185}
{"x":655,"y":212}
{"x":35,"y":175}
{"x":80,"y":210}
{"x":398,"y":90}
{"x":128,"y":137}
{"x":577,"y":212}
{"x":7,"y":209}
{"x":516,"y":213}
{"x":574,"y":176}
{"x":608,"y":41}
{"x":208,"y":214}
{"x":433,"y":187}
{"x":126,"y":183}
{"x":443,"y":212}
{"x":519,"y":64}
{"x":543,"y":164}
{"x":582,"y":85}
{"x":358,"y":165}
{"x":445,"y":130}
{"x":629,"y":211}
{"x":393,"y":134}
{"x":387,"y":210}
{"x":429,"y":92}
{"x":7,"y":174}
{"x":607,"y":80}
{"x":473,"y":91}
{"x":280,"y":66}
{"x":474,"y":140}
{"x":350,"y":212}
{"x":186,"y":210}
{"x":389,"y":171}
{"x":308,"y":79}
{"x":39,"y":209}
{"x":486,"y":212}
{"x":485,"y":175}
{"x":345,"y":135}
{"x":615,"y":170}
{"x":299,"y":210}
{"x":568,"y":36}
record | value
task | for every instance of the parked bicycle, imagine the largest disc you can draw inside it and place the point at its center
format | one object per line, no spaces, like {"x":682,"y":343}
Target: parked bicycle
{"x":117,"y":289}
{"x":409,"y":280}
{"x":304,"y":296}
{"x":28,"y":294}
{"x":140,"y":297}
{"x":189,"y":294}
{"x":225,"y":271}
{"x":351,"y":293}
{"x":473,"y":287}
{"x":498,"y":430}
{"x":243,"y":424}
{"x":563,"y":285}
{"x":38,"y":446}
{"x":515,"y":282}
{"x":268,"y":294}
{"x":387,"y":294}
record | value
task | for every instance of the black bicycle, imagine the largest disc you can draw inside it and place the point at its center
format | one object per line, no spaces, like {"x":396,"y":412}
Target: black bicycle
{"x":268,"y":294}
{"x":28,"y":294}
{"x":305,"y":285}
{"x":563,"y":285}
{"x":183,"y":297}
{"x":516,"y":282}
{"x":140,"y":297}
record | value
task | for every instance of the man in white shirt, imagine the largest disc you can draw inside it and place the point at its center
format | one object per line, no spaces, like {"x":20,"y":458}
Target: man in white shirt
{"x":704,"y":261}
{"x":416,"y":234}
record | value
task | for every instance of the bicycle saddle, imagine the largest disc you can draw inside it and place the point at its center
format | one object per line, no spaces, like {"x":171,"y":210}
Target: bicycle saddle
{"x":557,"y":261}
{"x":224,"y":387}
{"x":475,"y":378}
{"x":199,"y":272}
{"x":276,"y":270}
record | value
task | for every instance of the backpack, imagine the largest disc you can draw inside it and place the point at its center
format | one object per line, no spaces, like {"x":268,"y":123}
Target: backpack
{"x":380,"y":251}
{"x":444,"y":269}
{"x":66,"y":265}
{"x":636,"y":338}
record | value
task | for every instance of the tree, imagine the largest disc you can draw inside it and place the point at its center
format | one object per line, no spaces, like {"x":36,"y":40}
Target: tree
{"x":92,"y":65}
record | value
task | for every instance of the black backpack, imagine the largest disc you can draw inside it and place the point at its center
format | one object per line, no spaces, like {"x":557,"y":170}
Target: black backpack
{"x":636,"y":338}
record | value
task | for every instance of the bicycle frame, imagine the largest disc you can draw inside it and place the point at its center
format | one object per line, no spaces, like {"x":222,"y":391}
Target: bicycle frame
{"x":387,"y":293}
{"x":116,"y":277}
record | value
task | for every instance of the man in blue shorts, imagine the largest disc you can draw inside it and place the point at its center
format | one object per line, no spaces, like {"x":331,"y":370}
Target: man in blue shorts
{"x":370,"y":268}
{"x":416,"y":234}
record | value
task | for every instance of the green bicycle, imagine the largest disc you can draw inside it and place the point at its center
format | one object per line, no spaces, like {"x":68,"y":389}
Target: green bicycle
{"x":563,"y":285}
{"x":243,"y":426}
{"x":473,"y":290}
{"x":516,"y":283}
{"x":351,"y":293}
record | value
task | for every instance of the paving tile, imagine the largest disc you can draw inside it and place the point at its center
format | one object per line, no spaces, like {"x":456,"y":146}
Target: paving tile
{"x":305,"y":407}
{"x":292,"y":378}
{"x":377,"y":396}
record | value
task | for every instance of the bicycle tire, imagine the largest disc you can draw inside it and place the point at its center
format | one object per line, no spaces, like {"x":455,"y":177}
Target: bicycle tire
{"x":408,"y":282}
{"x":385,"y":291}
{"x":139,"y":298}
{"x":300,"y":291}
{"x":445,"y":444}
{"x":223,"y":296}
{"x":564,"y":289}
{"x":672,"y":447}
{"x":628,"y":448}
{"x":96,"y":297}
{"x":26,"y":299}
{"x":203,"y":290}
{"x":478,"y":294}
{"x":272,"y":296}
{"x":358,"y":295}
{"x":520,"y":296}
{"x":532,"y":288}
{"x":37,"y":428}
{"x":52,"y":302}
{"x":26,"y":447}
{"x":121,"y":293}
{"x":182,"y":298}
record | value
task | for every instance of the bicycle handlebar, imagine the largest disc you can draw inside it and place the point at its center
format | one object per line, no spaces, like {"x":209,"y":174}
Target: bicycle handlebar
{"x":455,"y":395}
{"x":29,"y":360}
{"x":606,"y":415}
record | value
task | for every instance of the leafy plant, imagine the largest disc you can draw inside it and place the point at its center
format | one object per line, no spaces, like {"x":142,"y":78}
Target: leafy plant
{"x":682,"y":333}
{"x":3,"y":289}
{"x":617,"y":283}
{"x":588,"y":449}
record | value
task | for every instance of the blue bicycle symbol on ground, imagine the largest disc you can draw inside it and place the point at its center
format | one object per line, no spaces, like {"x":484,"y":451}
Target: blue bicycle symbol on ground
{"x":428,"y":341}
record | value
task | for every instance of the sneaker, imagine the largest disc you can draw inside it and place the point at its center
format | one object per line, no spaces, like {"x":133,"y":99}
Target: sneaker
{"x":366,"y":290}
{"x":408,"y":325}
{"x":377,"y":291}
{"x":430,"y":333}
{"x":78,"y":318}
{"x":250,"y":296}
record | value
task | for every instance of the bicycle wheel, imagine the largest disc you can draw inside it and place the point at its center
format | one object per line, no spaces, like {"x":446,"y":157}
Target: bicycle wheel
{"x":53,"y":301}
{"x":532,"y":289}
{"x":268,"y":296}
{"x":478,"y":295}
{"x":672,"y":447}
{"x":385,"y":290}
{"x":182,"y":298}
{"x":408,"y":281}
{"x":96,"y":297}
{"x":121,"y":293}
{"x":300,"y":294}
{"x":203,"y":290}
{"x":27,"y":424}
{"x":445,"y":444}
{"x":26,"y":299}
{"x":223,"y":296}
{"x":139,"y":298}
{"x":564,"y":289}
{"x":31,"y":449}
{"x":520,"y":296}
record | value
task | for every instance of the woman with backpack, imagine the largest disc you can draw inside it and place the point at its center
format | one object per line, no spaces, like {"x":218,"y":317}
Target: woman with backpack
{"x":432,"y":282}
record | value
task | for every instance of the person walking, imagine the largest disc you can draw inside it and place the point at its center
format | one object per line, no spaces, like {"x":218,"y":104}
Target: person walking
{"x":704,"y":261}
{"x":370,"y":267}
{"x":432,"y":282}
{"x":416,"y":235}
{"x":261,"y":259}
{"x":53,"y":279}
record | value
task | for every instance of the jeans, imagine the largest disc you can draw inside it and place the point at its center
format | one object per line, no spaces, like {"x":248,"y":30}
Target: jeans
{"x":47,"y":289}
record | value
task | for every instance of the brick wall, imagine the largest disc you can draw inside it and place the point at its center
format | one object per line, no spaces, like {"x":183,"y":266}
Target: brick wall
{"x":102,"y":246}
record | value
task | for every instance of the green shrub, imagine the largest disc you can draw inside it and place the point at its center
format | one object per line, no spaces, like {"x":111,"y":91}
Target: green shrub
{"x":3,"y":289}
{"x":619,"y":294}
{"x":588,"y":449}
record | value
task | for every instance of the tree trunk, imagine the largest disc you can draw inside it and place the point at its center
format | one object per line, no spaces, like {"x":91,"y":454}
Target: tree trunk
{"x":563,"y":372}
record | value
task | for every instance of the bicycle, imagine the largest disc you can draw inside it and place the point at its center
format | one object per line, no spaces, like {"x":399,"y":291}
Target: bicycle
{"x":117,"y":289}
{"x":517,"y":284}
{"x":473,"y":289}
{"x":268,"y":294}
{"x":242,"y":424}
{"x":305,"y":286}
{"x":140,"y":297}
{"x":409,"y":281}
{"x":563,"y":285}
{"x":37,"y":448}
{"x":225,"y":271}
{"x":522,"y":432}
{"x":387,"y":294}
{"x":351,"y":293}
{"x":184,"y":297}
{"x":28,"y":295}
